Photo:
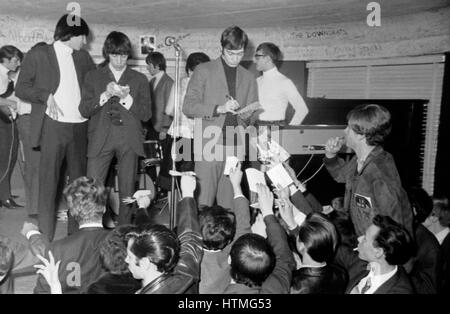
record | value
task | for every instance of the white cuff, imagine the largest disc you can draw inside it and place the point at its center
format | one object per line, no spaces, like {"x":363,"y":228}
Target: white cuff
{"x":127,"y":102}
{"x":239,"y":195}
{"x":31,"y":233}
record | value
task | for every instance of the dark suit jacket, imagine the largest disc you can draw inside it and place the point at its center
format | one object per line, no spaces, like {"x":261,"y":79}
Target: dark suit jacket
{"x":330,"y":279}
{"x":80,"y":259}
{"x":100,"y":122}
{"x":445,"y":249}
{"x":39,"y":77}
{"x":208,"y":89}
{"x":160,"y":97}
{"x":397,"y":284}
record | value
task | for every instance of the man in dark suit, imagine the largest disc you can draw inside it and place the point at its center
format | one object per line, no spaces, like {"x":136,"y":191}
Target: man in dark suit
{"x":50,"y":79}
{"x":386,"y":246}
{"x":79,"y":252}
{"x":160,"y":88}
{"x":116,"y":99}
{"x":216,"y":90}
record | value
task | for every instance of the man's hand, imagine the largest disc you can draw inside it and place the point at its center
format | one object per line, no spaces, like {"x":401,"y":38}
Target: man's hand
{"x":236,"y":176}
{"x":265,"y":199}
{"x":286,"y":212}
{"x":187,"y":184}
{"x":230,"y":106}
{"x":143,"y":198}
{"x":50,"y":272}
{"x":53,"y":109}
{"x":27,"y":227}
{"x":333,"y":146}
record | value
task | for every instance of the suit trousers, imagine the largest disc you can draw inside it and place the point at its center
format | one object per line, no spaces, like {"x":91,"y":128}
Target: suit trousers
{"x":32,"y":157}
{"x":116,"y":144}
{"x":59,"y":141}
{"x":9,"y":145}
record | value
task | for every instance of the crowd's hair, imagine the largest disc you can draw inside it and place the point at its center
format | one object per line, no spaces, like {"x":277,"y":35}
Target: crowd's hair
{"x":371,"y":120}
{"x":64,"y":31}
{"x":252,"y":260}
{"x":234,"y":38}
{"x":8,"y":52}
{"x":421,"y":203}
{"x":116,"y":43}
{"x":195,"y":59}
{"x":271,"y":50}
{"x":113,"y":250}
{"x":6,"y":258}
{"x":394,"y":239}
{"x":157,"y":59}
{"x":218,"y":227}
{"x":86,"y":199}
{"x":440,"y":205}
{"x":319,"y":236}
{"x":158,"y":243}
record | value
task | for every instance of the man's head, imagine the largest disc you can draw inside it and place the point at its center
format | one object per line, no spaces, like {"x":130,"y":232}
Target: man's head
{"x":86,"y":199}
{"x":117,"y":49}
{"x":385,"y":241}
{"x":267,"y":56}
{"x":6,"y":260}
{"x":318,"y":238}
{"x":421,"y":204}
{"x":152,"y":249}
{"x":234,"y":41}
{"x":218,"y":226}
{"x":156,"y":62}
{"x":10,"y":57}
{"x":252,"y":260}
{"x":367,"y":124}
{"x":113,"y":250}
{"x":440,"y":214}
{"x":72,"y":30}
{"x":195,"y":59}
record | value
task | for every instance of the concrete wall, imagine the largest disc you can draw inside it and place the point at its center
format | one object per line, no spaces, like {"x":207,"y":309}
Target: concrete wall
{"x":409,"y":35}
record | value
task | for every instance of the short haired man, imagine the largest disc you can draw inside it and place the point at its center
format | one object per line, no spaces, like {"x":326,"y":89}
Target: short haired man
{"x":260,"y":265}
{"x":275,"y":90}
{"x":50,"y":79}
{"x":216,"y":90}
{"x":167,"y":262}
{"x":115,"y":127}
{"x":373,"y":185}
{"x":78,"y":252}
{"x":386,"y":246}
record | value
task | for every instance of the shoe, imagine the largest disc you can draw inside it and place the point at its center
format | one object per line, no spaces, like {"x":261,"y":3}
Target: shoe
{"x":7,"y":204}
{"x":11,"y":200}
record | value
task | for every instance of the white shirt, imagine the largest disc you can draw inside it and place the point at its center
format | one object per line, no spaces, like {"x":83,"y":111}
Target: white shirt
{"x":185,"y":124}
{"x":376,"y":279}
{"x":4,"y":79}
{"x":440,"y":236}
{"x":68,"y":94}
{"x":275,"y":91}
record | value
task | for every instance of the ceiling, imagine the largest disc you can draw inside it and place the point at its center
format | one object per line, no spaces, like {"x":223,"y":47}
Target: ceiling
{"x":191,"y":14}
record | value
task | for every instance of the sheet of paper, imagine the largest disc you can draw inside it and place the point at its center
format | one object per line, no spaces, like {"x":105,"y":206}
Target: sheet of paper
{"x":251,"y":107}
{"x":230,"y":163}
{"x":254,"y":177}
{"x":279,"y":176}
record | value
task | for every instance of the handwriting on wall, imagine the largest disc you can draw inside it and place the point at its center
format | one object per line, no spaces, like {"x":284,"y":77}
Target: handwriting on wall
{"x":319,"y":34}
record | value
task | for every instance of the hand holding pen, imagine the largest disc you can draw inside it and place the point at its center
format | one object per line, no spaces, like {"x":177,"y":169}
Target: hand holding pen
{"x":231,"y":105}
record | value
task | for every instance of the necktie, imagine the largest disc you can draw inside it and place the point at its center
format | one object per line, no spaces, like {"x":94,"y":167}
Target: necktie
{"x":152,"y":83}
{"x":366,"y":286}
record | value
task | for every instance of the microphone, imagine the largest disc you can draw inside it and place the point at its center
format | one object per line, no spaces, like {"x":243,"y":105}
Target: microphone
{"x":172,"y":41}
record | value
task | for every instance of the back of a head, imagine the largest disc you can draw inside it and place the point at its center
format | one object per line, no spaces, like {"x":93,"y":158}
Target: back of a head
{"x":116,"y":43}
{"x":9,"y":52}
{"x":421,"y":204}
{"x":234,"y":38}
{"x":271,"y":50}
{"x":252,"y":260}
{"x":86,"y":199}
{"x":442,"y":209}
{"x":70,"y":26}
{"x":6,"y":259}
{"x":371,"y":120}
{"x":157,"y":59}
{"x":158,"y":243}
{"x":319,"y":237}
{"x":113,"y":250}
{"x":195,"y":59}
{"x":218,"y":227}
{"x":394,"y":239}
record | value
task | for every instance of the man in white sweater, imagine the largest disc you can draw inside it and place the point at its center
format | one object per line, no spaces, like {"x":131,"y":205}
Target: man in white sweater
{"x":275,"y":90}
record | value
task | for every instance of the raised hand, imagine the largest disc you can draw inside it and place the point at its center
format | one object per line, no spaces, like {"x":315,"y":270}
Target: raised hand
{"x":333,"y":146}
{"x":265,"y":199}
{"x":187,"y":184}
{"x":50,"y":272}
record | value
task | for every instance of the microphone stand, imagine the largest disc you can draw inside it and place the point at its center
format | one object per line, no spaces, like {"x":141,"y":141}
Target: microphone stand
{"x":173,"y":199}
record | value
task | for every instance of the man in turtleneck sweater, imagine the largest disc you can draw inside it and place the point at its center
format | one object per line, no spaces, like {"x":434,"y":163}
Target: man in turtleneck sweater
{"x":275,"y":90}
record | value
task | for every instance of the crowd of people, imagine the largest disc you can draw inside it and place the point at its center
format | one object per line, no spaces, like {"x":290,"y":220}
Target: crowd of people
{"x":378,"y":238}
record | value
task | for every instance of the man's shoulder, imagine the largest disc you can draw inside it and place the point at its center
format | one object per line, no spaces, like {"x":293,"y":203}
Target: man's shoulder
{"x":82,"y":234}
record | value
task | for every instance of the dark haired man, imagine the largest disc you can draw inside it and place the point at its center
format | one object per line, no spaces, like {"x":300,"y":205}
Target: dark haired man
{"x":50,"y":79}
{"x":275,"y":90}
{"x":371,"y":178}
{"x":79,"y":252}
{"x":117,"y":101}
{"x":216,"y":90}
{"x":386,"y":246}
{"x":160,"y":88}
